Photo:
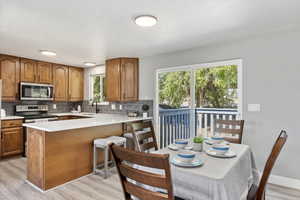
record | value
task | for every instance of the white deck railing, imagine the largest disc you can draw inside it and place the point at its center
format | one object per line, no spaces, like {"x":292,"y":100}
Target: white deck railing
{"x":176,"y":123}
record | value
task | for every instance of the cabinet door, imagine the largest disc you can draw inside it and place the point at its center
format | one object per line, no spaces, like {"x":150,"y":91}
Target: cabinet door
{"x":44,"y":73}
{"x":60,"y":81}
{"x":12,"y":141}
{"x":113,"y":80}
{"x":75,"y":84}
{"x":10,"y":75}
{"x":129,"y":77}
{"x":28,"y":70}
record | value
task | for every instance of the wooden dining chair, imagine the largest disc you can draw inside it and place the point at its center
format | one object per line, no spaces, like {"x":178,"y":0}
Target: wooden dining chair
{"x":231,"y":128}
{"x":125,"y":171}
{"x":258,"y":192}
{"x":144,"y":136}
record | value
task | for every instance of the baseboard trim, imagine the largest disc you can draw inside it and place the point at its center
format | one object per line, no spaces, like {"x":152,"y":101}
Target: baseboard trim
{"x":284,"y":181}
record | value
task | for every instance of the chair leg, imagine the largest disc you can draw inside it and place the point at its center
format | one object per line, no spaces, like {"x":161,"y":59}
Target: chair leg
{"x":105,"y":161}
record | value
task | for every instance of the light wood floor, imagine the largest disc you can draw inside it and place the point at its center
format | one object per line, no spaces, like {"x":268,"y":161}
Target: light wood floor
{"x":92,"y":187}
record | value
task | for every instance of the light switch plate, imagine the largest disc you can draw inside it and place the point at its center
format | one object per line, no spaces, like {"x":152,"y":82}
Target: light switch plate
{"x":113,"y":106}
{"x":54,"y":106}
{"x":120,"y":107}
{"x":254,"y":107}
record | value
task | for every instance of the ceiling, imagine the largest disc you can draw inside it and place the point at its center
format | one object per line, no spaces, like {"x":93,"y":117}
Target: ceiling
{"x":93,"y":30}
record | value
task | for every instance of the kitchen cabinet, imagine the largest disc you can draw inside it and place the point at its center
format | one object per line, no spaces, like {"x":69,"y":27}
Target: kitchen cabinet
{"x":28,"y":70}
{"x":36,"y":71}
{"x":60,"y":82}
{"x":11,"y":137}
{"x":44,"y":73}
{"x":122,"y":79}
{"x":75,"y":84}
{"x":10,"y":75}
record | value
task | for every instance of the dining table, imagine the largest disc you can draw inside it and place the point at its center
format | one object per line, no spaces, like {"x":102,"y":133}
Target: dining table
{"x":217,"y":179}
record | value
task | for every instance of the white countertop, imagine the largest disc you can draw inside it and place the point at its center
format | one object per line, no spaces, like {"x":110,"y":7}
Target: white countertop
{"x":11,"y":117}
{"x":94,"y":120}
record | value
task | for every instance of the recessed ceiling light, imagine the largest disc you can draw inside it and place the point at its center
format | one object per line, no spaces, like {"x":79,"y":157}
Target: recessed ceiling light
{"x":145,"y":20}
{"x":47,"y":53}
{"x":89,"y":64}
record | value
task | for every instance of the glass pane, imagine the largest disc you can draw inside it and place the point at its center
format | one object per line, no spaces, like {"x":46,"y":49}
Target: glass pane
{"x":96,"y":88}
{"x":174,"y":106}
{"x":174,"y":89}
{"x":216,"y":97}
{"x":216,"y":87}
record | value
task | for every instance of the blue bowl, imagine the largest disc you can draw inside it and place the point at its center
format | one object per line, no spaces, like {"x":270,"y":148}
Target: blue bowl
{"x":186,"y":156}
{"x":181,"y":143}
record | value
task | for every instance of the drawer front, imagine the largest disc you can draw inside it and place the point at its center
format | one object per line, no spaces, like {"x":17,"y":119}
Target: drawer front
{"x":11,"y":123}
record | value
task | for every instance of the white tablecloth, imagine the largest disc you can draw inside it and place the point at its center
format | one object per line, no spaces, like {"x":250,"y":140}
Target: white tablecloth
{"x":217,"y":179}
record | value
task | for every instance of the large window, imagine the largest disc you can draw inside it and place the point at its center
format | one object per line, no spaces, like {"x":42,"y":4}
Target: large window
{"x":97,"y":85}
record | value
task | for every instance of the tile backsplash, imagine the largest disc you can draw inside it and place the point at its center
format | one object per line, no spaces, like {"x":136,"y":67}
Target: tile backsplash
{"x":85,"y":106}
{"x":126,"y":106}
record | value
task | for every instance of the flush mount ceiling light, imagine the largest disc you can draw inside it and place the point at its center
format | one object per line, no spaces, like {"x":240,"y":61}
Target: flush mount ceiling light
{"x":47,"y":53}
{"x":145,"y":20}
{"x":89,"y":64}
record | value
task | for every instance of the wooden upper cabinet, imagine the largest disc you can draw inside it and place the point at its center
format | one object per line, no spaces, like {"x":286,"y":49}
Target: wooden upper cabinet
{"x":113,"y":80}
{"x":122,"y":79}
{"x":60,"y":82}
{"x":44,"y":73}
{"x":129,"y":79}
{"x":10,"y":75}
{"x":75,"y":84}
{"x":28,"y":70}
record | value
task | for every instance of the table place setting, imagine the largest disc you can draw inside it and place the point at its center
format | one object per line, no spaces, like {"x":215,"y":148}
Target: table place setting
{"x":186,"y":156}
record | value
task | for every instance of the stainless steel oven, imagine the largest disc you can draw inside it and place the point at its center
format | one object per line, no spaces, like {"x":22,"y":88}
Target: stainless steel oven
{"x":33,"y":91}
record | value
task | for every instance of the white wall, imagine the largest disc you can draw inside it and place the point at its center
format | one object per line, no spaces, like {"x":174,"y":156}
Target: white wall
{"x":87,"y":73}
{"x":271,"y":77}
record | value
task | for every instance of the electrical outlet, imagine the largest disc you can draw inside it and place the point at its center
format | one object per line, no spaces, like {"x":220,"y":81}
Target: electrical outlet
{"x":113,"y":106}
{"x":54,"y":106}
{"x":120,"y":107}
{"x":254,"y":108}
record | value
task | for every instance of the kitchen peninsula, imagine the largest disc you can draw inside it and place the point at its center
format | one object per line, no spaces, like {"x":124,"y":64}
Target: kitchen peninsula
{"x":61,"y":151}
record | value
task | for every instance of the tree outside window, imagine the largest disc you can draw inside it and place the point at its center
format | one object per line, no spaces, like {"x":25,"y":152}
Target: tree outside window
{"x":97,"y":88}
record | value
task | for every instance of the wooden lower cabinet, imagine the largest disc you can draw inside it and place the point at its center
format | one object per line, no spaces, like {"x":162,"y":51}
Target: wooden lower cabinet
{"x":11,"y":138}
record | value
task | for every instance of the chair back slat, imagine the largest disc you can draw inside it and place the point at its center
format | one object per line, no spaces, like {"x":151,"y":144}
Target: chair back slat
{"x":144,"y":177}
{"x":270,"y":163}
{"x":144,"y":136}
{"x":144,"y":194}
{"x":230,"y":128}
{"x":144,"y":140}
{"x":144,"y":147}
{"x":127,"y":171}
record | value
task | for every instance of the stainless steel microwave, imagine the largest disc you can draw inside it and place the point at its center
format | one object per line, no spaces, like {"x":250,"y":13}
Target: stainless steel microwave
{"x":33,"y":91}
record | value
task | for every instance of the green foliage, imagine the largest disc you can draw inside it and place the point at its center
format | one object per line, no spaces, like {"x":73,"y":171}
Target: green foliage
{"x":174,"y":88}
{"x":198,"y":139}
{"x":215,"y":87}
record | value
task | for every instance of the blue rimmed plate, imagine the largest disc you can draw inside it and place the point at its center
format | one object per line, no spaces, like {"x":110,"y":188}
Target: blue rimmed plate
{"x":209,"y":141}
{"x":228,"y":154}
{"x":195,"y":163}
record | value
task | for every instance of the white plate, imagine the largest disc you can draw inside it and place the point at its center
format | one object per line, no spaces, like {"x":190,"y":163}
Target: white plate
{"x":210,"y":142}
{"x":188,"y":148}
{"x":173,"y":147}
{"x":228,"y":154}
{"x":195,"y":163}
